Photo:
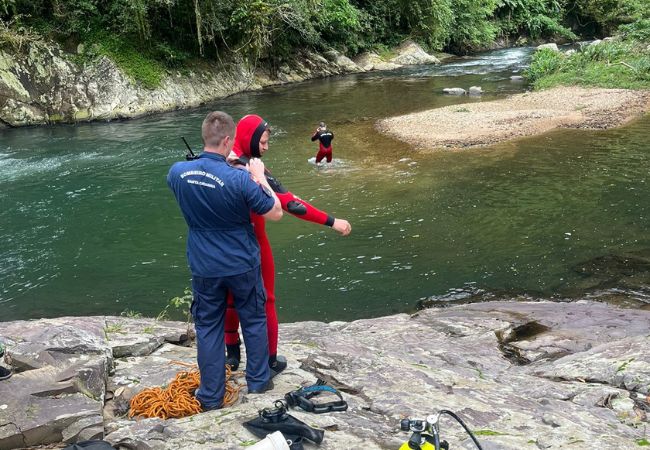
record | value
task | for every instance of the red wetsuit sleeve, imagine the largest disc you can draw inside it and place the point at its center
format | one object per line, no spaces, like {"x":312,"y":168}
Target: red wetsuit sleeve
{"x":297,"y":206}
{"x":304,"y":210}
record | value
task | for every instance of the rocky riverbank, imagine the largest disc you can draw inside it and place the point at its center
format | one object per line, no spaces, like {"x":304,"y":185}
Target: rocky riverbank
{"x":522,"y":375}
{"x":478,"y":124}
{"x":46,"y":85}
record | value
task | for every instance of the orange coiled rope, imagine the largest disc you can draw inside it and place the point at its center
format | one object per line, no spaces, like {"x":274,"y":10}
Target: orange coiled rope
{"x":178,"y":400}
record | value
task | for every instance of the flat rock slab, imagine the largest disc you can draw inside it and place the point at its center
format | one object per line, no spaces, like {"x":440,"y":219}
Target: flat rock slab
{"x":537,"y":375}
{"x":35,"y":409}
{"x":62,"y":368}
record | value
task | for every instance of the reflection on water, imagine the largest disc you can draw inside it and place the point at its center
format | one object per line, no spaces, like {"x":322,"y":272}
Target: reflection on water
{"x":89,"y":226}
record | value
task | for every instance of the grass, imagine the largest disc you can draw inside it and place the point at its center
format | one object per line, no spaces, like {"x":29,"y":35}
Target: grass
{"x":489,"y":433}
{"x":620,"y":63}
{"x":623,"y":366}
{"x":17,"y":38}
{"x":136,"y":64}
{"x":131,"y":314}
{"x":117,"y":327}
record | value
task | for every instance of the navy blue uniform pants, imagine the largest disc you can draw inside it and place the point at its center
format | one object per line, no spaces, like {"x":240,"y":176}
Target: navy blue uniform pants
{"x":208,"y":311}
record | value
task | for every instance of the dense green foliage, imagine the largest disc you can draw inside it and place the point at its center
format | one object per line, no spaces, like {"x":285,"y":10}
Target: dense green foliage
{"x":148,"y":36}
{"x":620,"y":63}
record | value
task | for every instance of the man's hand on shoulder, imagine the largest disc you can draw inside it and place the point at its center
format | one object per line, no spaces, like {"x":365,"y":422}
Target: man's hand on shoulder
{"x":256,"y":167}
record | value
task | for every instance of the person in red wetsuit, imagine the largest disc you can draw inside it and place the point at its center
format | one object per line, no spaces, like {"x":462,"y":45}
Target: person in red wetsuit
{"x":324,"y":137}
{"x":252,"y":141}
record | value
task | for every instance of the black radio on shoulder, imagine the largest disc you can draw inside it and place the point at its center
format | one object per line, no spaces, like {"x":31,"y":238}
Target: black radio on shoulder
{"x":189,"y":156}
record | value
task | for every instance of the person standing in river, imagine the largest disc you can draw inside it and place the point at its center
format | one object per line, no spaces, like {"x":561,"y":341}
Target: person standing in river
{"x":325,"y":138}
{"x":252,"y":141}
{"x":216,"y":200}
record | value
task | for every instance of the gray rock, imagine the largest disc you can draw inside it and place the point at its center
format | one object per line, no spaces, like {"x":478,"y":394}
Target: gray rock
{"x":546,"y":374}
{"x":45,"y":85}
{"x":516,"y":78}
{"x":475,"y":90}
{"x":37,"y":407}
{"x":58,"y":343}
{"x":342,"y":61}
{"x":410,"y":53}
{"x":454,"y":91}
{"x":551,"y":46}
{"x":372,"y":61}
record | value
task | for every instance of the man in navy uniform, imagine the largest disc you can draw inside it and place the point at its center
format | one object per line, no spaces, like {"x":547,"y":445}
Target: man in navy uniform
{"x":216,"y":200}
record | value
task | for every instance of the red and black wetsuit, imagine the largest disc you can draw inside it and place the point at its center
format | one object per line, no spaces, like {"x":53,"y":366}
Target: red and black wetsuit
{"x":325,"y":138}
{"x":249,"y":131}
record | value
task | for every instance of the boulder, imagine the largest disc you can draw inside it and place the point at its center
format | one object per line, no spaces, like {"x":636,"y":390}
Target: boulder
{"x":551,"y":46}
{"x":410,"y":53}
{"x":454,"y":91}
{"x":342,"y":61}
{"x":475,"y":90}
{"x":372,"y":61}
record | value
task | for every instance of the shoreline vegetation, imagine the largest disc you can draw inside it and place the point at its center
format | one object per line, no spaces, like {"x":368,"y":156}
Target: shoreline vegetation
{"x":84,"y":60}
{"x":603,"y":84}
{"x":149,"y":38}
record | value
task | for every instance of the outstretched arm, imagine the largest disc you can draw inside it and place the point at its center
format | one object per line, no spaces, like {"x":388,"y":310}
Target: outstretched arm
{"x":304,"y":210}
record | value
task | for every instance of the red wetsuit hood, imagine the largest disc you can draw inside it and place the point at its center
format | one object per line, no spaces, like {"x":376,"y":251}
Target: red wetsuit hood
{"x":247,"y":136}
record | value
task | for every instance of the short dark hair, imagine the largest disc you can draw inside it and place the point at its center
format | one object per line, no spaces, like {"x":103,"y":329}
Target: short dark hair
{"x":216,"y":126}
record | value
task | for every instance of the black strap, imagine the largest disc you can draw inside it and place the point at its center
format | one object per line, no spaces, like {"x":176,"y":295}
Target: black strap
{"x":301,"y":398}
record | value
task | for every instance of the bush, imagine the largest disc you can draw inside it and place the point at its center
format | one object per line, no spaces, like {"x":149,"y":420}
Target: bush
{"x":139,"y":65}
{"x":545,"y":62}
{"x":637,"y":31}
{"x":472,"y":28}
{"x":534,"y":18}
{"x":608,"y":64}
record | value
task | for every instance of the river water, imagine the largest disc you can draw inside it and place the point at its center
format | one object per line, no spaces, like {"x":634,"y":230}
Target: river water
{"x":88,"y":225}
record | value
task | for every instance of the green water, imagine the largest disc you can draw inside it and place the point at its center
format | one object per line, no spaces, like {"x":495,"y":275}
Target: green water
{"x":88,"y":225}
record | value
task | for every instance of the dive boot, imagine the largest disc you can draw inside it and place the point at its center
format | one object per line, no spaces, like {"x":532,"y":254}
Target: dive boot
{"x":5,"y":373}
{"x":277,"y":363}
{"x":233,"y":356}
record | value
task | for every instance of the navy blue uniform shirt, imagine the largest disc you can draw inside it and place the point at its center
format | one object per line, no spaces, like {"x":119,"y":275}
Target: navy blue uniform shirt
{"x":216,"y":200}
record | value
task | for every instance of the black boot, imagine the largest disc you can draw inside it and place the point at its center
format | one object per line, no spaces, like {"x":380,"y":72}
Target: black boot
{"x":233,"y":356}
{"x":277,"y":364}
{"x":5,"y":373}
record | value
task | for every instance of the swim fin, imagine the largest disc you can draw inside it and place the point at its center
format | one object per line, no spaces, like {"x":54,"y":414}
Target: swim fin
{"x":293,"y":429}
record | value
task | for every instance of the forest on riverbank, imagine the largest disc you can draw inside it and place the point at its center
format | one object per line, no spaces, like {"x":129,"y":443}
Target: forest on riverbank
{"x":148,"y":37}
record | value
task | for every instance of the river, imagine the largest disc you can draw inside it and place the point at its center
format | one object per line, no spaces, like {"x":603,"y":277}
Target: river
{"x":88,"y":225}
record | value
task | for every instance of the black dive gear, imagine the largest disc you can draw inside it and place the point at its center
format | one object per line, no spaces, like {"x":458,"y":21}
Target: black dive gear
{"x":277,"y":419}
{"x":302,"y":397}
